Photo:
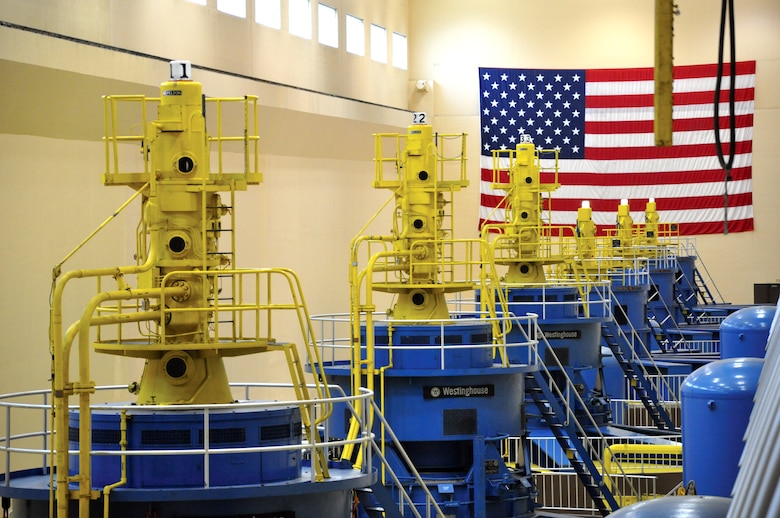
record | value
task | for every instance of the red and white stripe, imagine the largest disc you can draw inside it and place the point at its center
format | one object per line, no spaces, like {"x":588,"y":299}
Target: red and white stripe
{"x":622,"y":161}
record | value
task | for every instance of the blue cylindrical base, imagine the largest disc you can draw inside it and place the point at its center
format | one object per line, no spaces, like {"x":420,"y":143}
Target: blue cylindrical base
{"x":182,"y":430}
{"x":450,"y":405}
{"x":421,"y":347}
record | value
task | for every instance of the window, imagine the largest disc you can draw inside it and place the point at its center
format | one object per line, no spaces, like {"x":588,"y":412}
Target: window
{"x":300,"y":18}
{"x":234,"y":7}
{"x":328,"y":25}
{"x":378,"y":43}
{"x":269,"y":13}
{"x":399,"y":51}
{"x":356,"y":38}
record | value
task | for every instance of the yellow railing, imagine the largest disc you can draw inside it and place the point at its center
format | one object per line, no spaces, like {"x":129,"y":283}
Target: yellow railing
{"x":252,"y":306}
{"x":249,"y":140}
{"x":237,"y":314}
{"x":642,"y":459}
{"x":506,"y":160}
{"x":234,"y":322}
{"x":126,"y":121}
{"x":545,"y":243}
{"x":455,"y":268}
{"x":450,"y":166}
{"x":112,"y":120}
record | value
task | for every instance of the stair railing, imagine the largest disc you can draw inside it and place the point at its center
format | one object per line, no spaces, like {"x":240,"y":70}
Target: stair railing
{"x":707,"y":282}
{"x":663,"y":323}
{"x":405,"y":497}
{"x":571,"y":418}
{"x":635,"y":342}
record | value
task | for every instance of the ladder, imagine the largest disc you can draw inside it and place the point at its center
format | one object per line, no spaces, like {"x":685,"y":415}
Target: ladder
{"x":687,"y":301}
{"x":656,"y":297}
{"x":319,"y":461}
{"x":616,"y":339}
{"x":699,"y":290}
{"x":573,"y":442}
{"x":225,"y":297}
{"x":702,"y":289}
{"x":389,"y":496}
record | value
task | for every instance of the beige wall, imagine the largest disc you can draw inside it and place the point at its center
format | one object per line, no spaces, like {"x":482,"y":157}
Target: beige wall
{"x":453,"y":38}
{"x":319,"y":107}
{"x":316,"y":153}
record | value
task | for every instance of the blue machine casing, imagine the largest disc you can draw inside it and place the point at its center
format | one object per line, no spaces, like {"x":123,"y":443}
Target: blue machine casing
{"x":181,"y":430}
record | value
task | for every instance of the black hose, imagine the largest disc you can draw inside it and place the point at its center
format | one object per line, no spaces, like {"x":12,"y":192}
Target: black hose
{"x":726,"y":165}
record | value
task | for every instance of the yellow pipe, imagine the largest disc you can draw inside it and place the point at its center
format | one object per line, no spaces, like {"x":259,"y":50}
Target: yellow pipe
{"x":85,"y":386}
{"x":58,"y":268}
{"x":73,"y":329}
{"x":363,"y":238}
{"x":139,"y":316}
{"x":60,"y":379}
{"x":356,"y":360}
{"x":382,"y":390}
{"x":122,"y":463}
{"x":370,"y":363}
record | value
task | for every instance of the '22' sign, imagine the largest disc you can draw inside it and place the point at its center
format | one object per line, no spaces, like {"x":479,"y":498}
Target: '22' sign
{"x":420,"y":118}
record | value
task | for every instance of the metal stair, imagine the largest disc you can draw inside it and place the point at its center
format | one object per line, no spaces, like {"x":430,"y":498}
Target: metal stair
{"x":687,"y":301}
{"x":660,"y":329}
{"x":562,"y":425}
{"x":660,"y":333}
{"x":701,"y":288}
{"x":379,"y":500}
{"x":616,"y":339}
{"x":376,"y":502}
{"x":319,"y":461}
{"x":655,"y":297}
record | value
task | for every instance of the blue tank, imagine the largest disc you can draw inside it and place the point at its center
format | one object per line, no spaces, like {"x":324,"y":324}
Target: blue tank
{"x":716,"y":403}
{"x":744,"y":333}
{"x":690,"y":506}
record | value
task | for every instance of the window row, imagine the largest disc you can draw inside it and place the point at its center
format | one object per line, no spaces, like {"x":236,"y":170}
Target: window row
{"x":300,"y":23}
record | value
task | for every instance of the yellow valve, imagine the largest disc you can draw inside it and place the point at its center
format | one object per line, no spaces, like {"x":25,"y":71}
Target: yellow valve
{"x":651,"y":222}
{"x":625,"y":225}
{"x":586,"y":231}
{"x":523,"y":219}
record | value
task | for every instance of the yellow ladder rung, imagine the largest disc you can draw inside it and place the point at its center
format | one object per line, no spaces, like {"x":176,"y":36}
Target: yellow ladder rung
{"x":319,"y":462}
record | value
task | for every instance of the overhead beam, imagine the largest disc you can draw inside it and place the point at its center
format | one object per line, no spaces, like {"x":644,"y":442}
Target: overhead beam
{"x":664,"y":13}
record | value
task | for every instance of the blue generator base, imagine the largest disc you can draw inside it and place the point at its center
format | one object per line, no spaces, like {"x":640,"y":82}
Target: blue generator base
{"x":422,"y":347}
{"x":149,"y":429}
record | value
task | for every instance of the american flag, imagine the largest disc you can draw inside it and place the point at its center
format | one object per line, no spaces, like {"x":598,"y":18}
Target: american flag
{"x":601,"y":122}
